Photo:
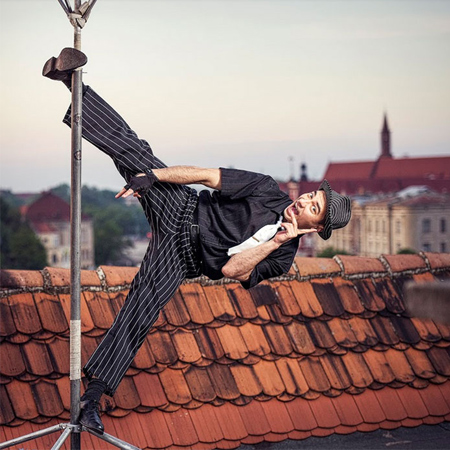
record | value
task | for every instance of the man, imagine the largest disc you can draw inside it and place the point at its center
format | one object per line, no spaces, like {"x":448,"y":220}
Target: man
{"x":247,"y":229}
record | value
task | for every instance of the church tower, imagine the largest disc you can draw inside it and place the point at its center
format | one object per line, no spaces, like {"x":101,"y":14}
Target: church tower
{"x":385,"y":139}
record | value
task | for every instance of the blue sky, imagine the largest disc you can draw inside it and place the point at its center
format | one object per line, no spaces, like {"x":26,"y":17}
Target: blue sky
{"x":245,"y":83}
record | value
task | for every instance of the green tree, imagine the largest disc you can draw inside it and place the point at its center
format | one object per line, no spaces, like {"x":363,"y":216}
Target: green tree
{"x":406,"y":251}
{"x":20,"y":247}
{"x":329,"y":252}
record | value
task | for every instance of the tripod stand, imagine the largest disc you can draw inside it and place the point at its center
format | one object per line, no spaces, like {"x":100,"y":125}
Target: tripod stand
{"x":77,"y":17}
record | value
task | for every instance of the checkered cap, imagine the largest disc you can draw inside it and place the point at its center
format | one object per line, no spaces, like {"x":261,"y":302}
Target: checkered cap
{"x":339,"y":210}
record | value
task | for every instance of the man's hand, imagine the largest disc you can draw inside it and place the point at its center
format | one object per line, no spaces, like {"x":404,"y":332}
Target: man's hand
{"x":140,"y":184}
{"x":291,"y":231}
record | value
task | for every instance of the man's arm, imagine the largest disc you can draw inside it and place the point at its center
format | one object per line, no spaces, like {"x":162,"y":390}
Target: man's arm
{"x":240,"y":266}
{"x":182,"y":175}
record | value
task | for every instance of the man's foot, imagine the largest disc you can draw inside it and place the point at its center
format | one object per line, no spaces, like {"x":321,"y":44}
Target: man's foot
{"x":89,"y":416}
{"x":61,"y":68}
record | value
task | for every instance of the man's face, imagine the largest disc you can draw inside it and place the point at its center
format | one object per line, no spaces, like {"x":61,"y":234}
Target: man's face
{"x":309,"y":210}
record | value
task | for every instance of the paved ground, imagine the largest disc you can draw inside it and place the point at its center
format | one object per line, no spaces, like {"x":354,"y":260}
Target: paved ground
{"x":425,"y":437}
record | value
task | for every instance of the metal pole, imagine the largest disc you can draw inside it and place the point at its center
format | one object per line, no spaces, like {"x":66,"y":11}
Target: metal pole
{"x":75,"y":241}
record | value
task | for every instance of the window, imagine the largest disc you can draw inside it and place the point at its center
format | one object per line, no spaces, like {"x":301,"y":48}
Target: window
{"x":398,"y":226}
{"x":376,"y":226}
{"x":443,"y":247}
{"x":426,"y":225}
{"x":384,"y":226}
{"x":426,"y":247}
{"x":443,"y":226}
{"x":369,"y":225}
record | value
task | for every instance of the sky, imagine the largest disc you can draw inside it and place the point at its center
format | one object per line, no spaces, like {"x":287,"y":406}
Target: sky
{"x":261,"y":85}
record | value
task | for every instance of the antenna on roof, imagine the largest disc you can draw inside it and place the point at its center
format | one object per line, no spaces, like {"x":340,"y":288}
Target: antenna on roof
{"x":78,"y":17}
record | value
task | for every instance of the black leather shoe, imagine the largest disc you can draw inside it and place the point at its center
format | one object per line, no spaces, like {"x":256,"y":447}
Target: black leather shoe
{"x":61,"y":68}
{"x":89,"y":416}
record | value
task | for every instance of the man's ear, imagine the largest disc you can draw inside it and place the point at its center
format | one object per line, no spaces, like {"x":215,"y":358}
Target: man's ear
{"x":319,"y":228}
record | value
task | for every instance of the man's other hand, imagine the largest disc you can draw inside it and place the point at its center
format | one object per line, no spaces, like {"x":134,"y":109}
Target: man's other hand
{"x":139,"y":184}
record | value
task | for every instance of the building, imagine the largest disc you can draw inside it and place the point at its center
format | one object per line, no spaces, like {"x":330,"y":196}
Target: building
{"x":386,"y":174}
{"x":49,"y":216}
{"x":416,"y":219}
{"x":328,"y":353}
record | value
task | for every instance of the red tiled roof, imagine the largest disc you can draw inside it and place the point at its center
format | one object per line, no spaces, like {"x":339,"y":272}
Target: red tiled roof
{"x":327,"y":349}
{"x":49,"y":208}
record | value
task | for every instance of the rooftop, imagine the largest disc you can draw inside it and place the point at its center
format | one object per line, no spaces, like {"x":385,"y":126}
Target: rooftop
{"x":327,"y":350}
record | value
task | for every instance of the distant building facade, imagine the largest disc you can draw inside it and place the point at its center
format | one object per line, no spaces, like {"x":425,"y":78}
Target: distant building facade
{"x":419,"y":222}
{"x":49,"y":216}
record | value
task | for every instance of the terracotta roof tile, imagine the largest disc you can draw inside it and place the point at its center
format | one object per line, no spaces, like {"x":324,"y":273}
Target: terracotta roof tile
{"x":8,"y":328}
{"x":324,"y":412}
{"x":58,"y":351}
{"x":363,"y":331}
{"x":277,"y":416}
{"x":269,"y":377}
{"x":399,"y":365}
{"x":48,"y":401}
{"x":369,"y":296}
{"x":162,"y":347}
{"x":292,"y":376}
{"x":286,"y":299}
{"x":357,"y":369}
{"x":100,"y":308}
{"x":314,"y":374}
{"x":223,"y":381}
{"x":175,"y":386}
{"x":186,"y":345}
{"x":242,"y":301}
{"x":384,"y":330}
{"x":347,"y":410}
{"x":369,"y":407}
{"x":342,"y":333}
{"x":300,"y":338}
{"x":254,"y":419}
{"x":391,"y":404}
{"x":420,"y":363}
{"x":400,"y":263}
{"x":13,"y":279}
{"x":51,"y":313}
{"x":440,"y":359}
{"x":181,"y":428}
{"x":36,"y":358}
{"x":232,"y":342}
{"x":356,"y":264}
{"x":348,"y":295}
{"x":336,"y":372}
{"x":438,"y":260}
{"x":12,"y":361}
{"x":277,"y":338}
{"x":196,"y":303}
{"x":379,"y":367}
{"x":219,"y":302}
{"x":254,"y":338}
{"x":306,"y":298}
{"x":118,"y":276}
{"x":232,"y":425}
{"x":246,"y":380}
{"x":328,"y":297}
{"x":321,"y":334}
{"x":405,"y":329}
{"x":24,"y":313}
{"x":209,"y":343}
{"x":316,"y":266}
{"x":434,"y":400}
{"x":427,"y":329}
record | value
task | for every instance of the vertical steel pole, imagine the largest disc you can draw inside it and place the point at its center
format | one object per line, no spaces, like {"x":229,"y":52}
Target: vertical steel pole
{"x":75,"y":241}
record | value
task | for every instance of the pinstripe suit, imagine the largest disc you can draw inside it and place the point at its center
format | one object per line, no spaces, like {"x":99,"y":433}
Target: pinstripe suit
{"x":169,"y":258}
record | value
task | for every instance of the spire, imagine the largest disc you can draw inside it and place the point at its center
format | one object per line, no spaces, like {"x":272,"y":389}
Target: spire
{"x":385,"y":139}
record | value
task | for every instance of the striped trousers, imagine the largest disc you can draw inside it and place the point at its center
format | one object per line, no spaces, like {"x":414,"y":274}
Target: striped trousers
{"x":169,"y":259}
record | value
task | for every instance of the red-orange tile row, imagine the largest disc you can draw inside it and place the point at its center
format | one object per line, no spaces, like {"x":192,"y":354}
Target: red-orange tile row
{"x":228,"y":425}
{"x":43,"y":396}
{"x":43,"y":314}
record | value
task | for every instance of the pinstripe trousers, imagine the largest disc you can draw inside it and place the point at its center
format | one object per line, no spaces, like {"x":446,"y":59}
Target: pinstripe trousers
{"x":169,"y":259}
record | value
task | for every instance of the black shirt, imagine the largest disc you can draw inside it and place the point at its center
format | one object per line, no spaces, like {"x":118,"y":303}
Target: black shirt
{"x":246,"y":202}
